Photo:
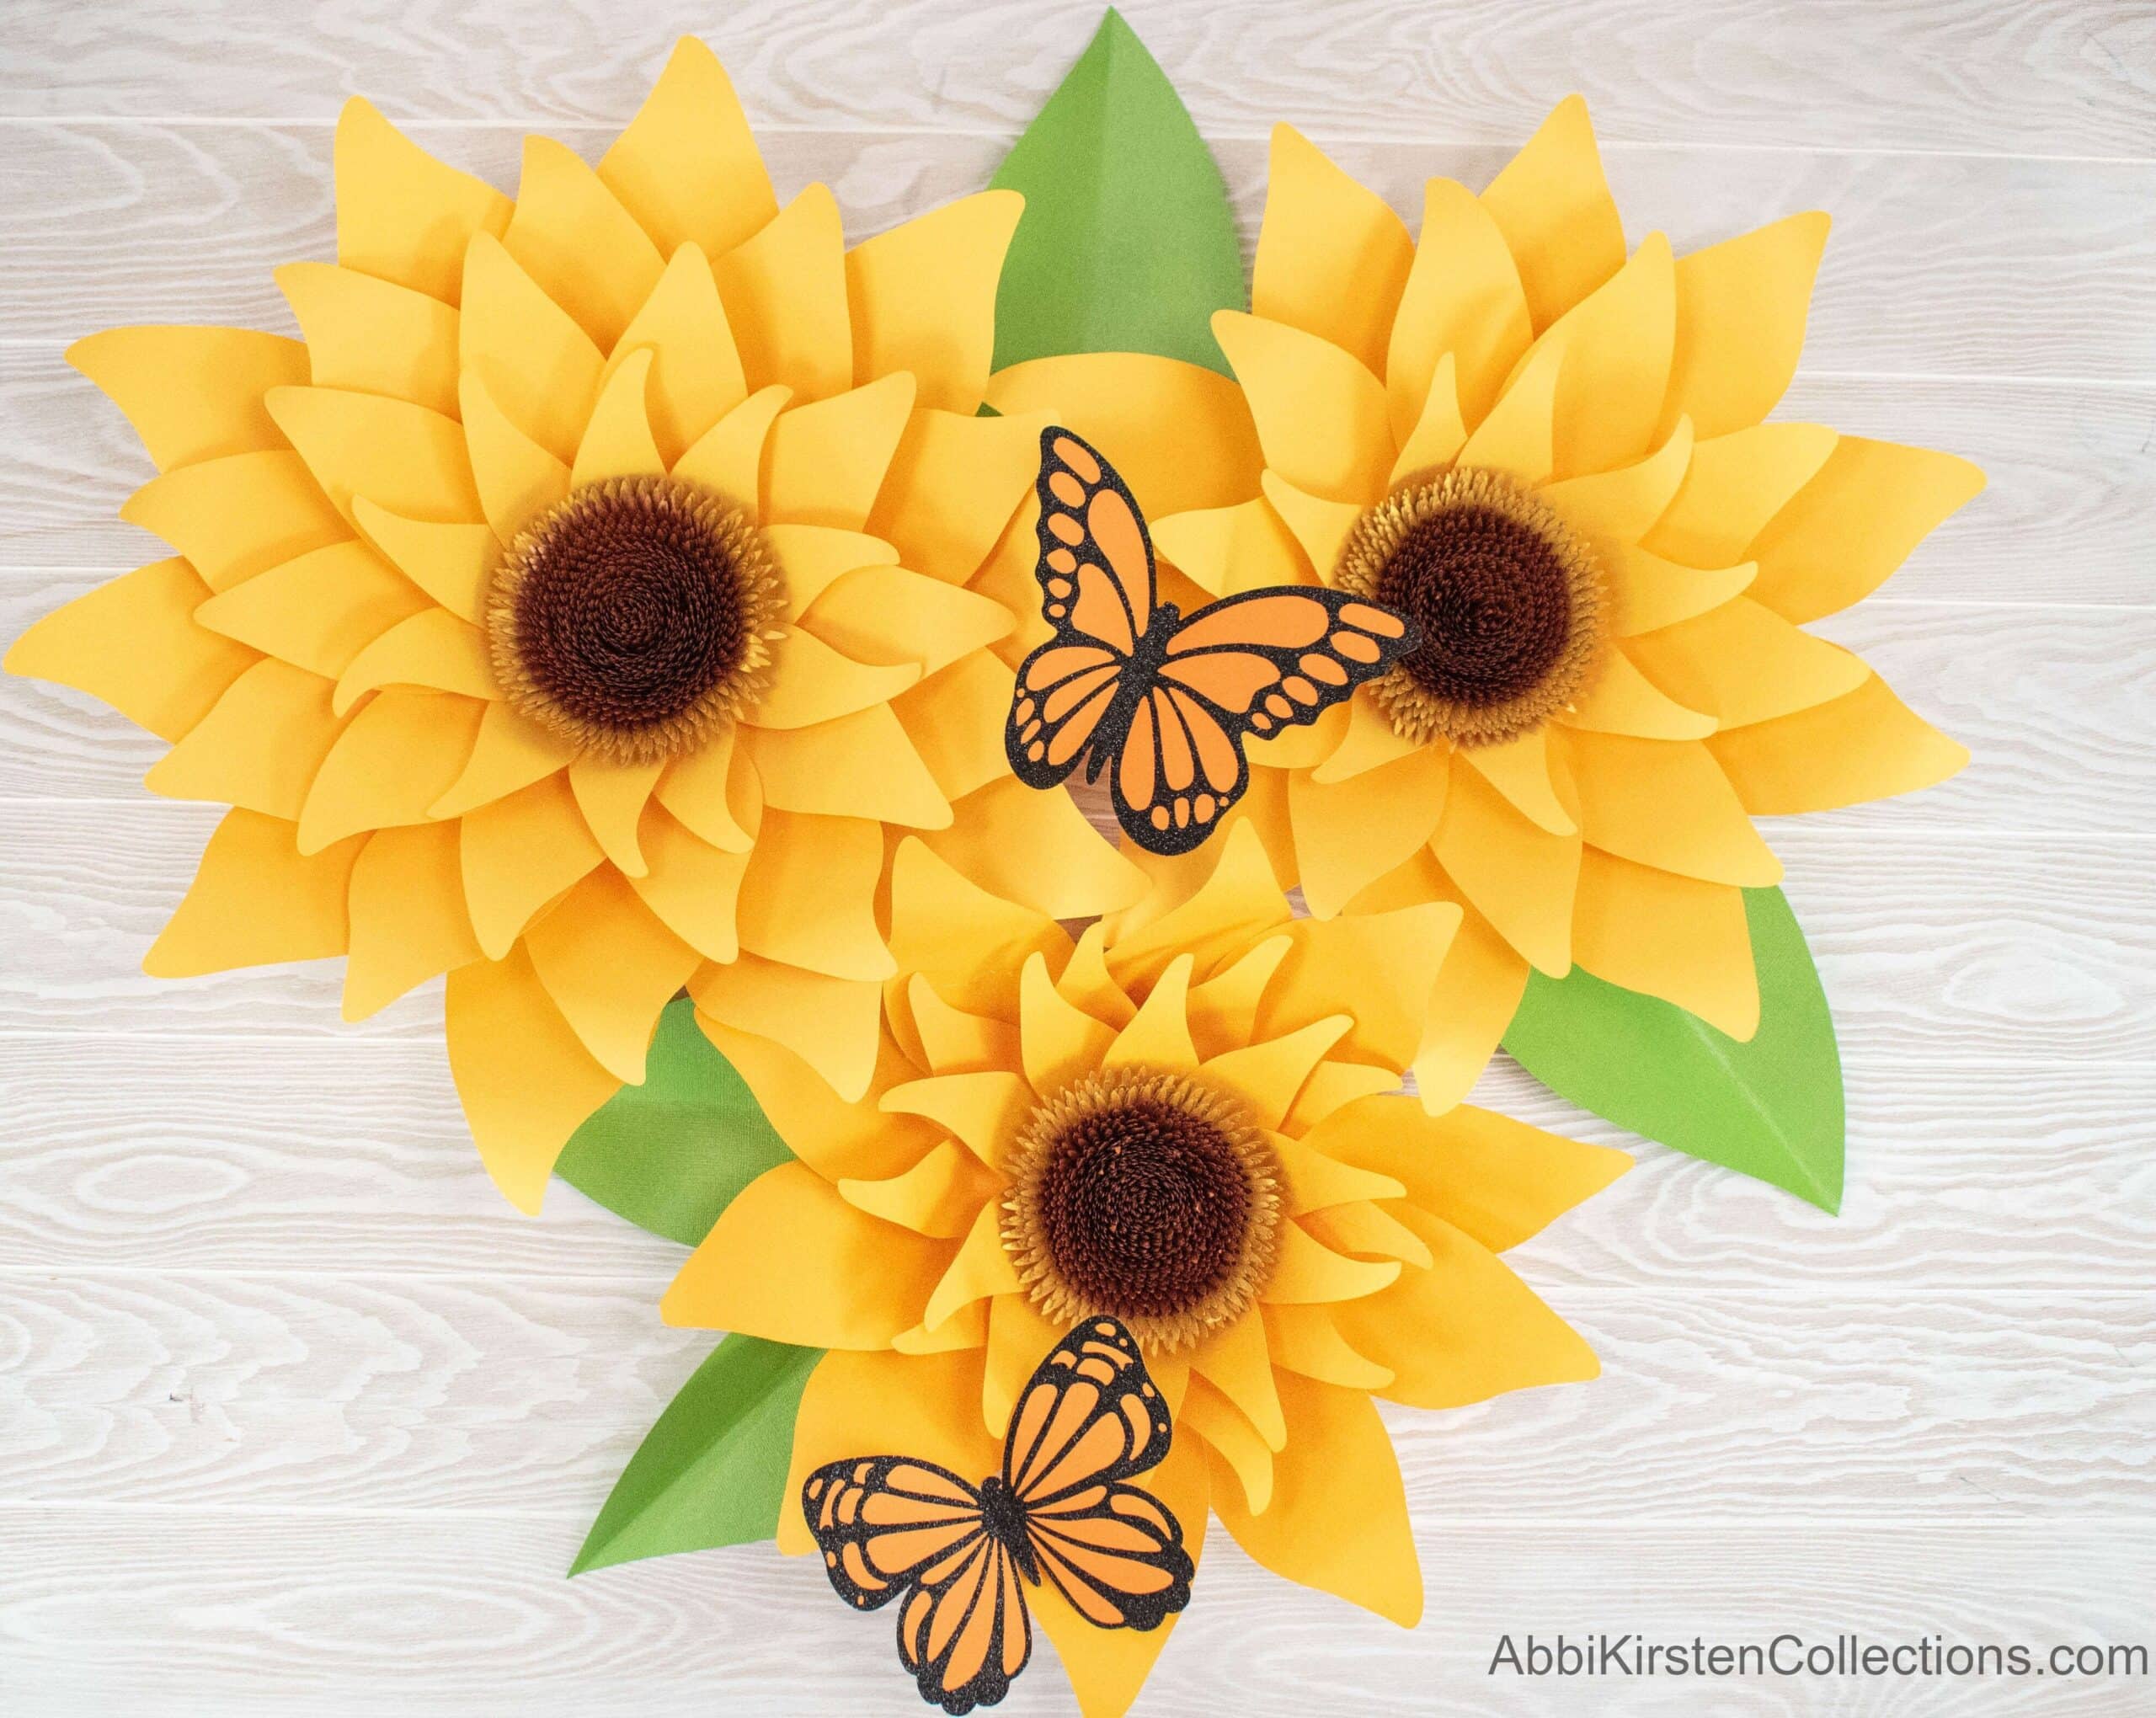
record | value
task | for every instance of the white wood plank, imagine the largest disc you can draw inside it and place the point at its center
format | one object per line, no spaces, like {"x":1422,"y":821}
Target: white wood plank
{"x":2035,"y":76}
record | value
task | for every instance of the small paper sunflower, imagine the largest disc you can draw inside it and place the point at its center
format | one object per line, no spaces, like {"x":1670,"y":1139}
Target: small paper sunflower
{"x":1189,"y":1119}
{"x":1551,"y":455}
{"x":577,"y":608}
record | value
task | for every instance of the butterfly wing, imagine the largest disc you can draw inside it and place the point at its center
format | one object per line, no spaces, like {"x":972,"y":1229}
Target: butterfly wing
{"x":964,"y":1631}
{"x":1089,"y":1421}
{"x":1251,"y":663}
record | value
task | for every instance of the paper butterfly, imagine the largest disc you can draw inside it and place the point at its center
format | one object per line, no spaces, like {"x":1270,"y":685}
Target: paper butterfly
{"x":1061,"y":1508}
{"x":1127,"y":681}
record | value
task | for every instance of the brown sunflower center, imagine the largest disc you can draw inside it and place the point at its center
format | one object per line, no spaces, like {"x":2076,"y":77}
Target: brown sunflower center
{"x":636,"y":617}
{"x":1508,"y":598}
{"x":1144,"y":1195}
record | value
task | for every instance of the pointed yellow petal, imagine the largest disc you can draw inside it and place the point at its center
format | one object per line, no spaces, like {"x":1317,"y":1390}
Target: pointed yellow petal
{"x":955,"y":1041}
{"x":371,"y":335}
{"x":1312,"y":1182}
{"x":1318,"y":526}
{"x":809,"y":898}
{"x":1036,"y":848}
{"x":1269,"y":1074}
{"x":236,"y":516}
{"x":1463,"y":300}
{"x":1740,"y":310}
{"x":1224,"y":550}
{"x":1666,"y":804}
{"x":980,"y":1268}
{"x":967,"y":1328}
{"x":857,"y":766}
{"x":526,"y":1080}
{"x":1362,"y":1230}
{"x":1224,"y":1010}
{"x":318,"y":611}
{"x":573,"y":237}
{"x":612,"y":796}
{"x":814,"y":557}
{"x":432,"y":648}
{"x":827,"y":459}
{"x":1060,"y":1040}
{"x":1158,"y":1036}
{"x":1477,"y":992}
{"x":1554,"y":207}
{"x":256,"y":899}
{"x":888,"y":614}
{"x":609,"y":966}
{"x":1234,"y":1441}
{"x":693,"y":887}
{"x":1734,"y":486}
{"x":728,"y":458}
{"x":1621,"y":700}
{"x":829,"y":1024}
{"x":402,"y":214}
{"x":1866,"y":746}
{"x":400,"y":455}
{"x":259,"y":748}
{"x":839,"y":1139}
{"x":968,"y":942}
{"x":1369,"y":743}
{"x":408,"y":919}
{"x":538,"y":364}
{"x":1305,"y":1339}
{"x":1518,"y":875}
{"x":141,"y":644}
{"x":1616,"y":365}
{"x":716,"y":793}
{"x":519,"y":852}
{"x":1320,"y":415}
{"x":194,"y":393}
{"x":953,"y":487}
{"x":922,"y":295}
{"x":1018,"y":1336}
{"x":618,"y":442}
{"x":393,"y":760}
{"x":1519,"y":435}
{"x":452,"y":564}
{"x":1333,"y":1084}
{"x":1620,"y":505}
{"x":1743,"y":663}
{"x":784,"y":291}
{"x":1306,"y":1271}
{"x":955,"y":720}
{"x":1374,"y":967}
{"x":790,"y":1261}
{"x":983,"y":1111}
{"x":696,"y":376}
{"x":1438,"y":434}
{"x":939,"y":1197}
{"x":1084,"y":981}
{"x":1650,"y":593}
{"x":516,"y":478}
{"x":1331,"y":256}
{"x":687,"y":167}
{"x":1520,"y":769}
{"x":511,"y":751}
{"x":1237,"y":903}
{"x":1671,"y":937}
{"x":1349,"y":834}
{"x":815,"y":683}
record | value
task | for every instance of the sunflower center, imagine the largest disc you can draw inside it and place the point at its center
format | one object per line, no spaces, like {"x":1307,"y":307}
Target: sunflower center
{"x":1144,"y":1195}
{"x":1507,"y":597}
{"x":637,"y":618}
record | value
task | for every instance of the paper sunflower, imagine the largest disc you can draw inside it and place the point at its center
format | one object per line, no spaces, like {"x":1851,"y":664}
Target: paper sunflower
{"x":579,"y":605}
{"x":1188,"y":1119}
{"x":1552,"y":456}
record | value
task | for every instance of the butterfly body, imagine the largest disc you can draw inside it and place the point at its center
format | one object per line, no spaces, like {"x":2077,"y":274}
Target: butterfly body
{"x":1161,"y":704}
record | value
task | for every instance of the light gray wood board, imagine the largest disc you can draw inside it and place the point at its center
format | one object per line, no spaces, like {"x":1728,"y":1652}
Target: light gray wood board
{"x":1949,"y":264}
{"x":2032,"y":77}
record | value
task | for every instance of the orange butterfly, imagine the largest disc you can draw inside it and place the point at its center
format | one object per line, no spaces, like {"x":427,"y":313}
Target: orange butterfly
{"x":1128,"y":680}
{"x":1089,"y":1420}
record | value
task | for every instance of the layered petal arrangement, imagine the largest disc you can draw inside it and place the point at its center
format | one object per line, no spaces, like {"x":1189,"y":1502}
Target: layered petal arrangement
{"x":1552,"y":455}
{"x":580,"y":609}
{"x":1187,"y":1117}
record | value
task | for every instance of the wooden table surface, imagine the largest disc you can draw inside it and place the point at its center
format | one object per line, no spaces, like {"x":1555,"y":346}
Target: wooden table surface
{"x":297,"y":1417}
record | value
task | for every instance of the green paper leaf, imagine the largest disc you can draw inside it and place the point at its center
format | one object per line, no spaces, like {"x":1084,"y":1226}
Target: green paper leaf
{"x":712,"y":1470}
{"x":1771,"y":1109}
{"x":671,"y":1154}
{"x":1128,"y":243}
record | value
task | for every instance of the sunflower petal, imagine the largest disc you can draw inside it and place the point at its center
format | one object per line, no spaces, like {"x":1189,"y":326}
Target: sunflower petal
{"x":259,"y":746}
{"x":403,"y":457}
{"x":1269,"y":1074}
{"x":452,"y":564}
{"x":1671,"y":937}
{"x":979,"y":1269}
{"x":194,"y":393}
{"x":828,"y":459}
{"x":816,"y":683}
{"x":392,"y":761}
{"x":1518,"y":875}
{"x":1617,"y":365}
{"x":1320,"y":415}
{"x":953,"y":485}
{"x":715,"y":790}
{"x":1866,"y":744}
{"x":1622,"y":505}
{"x":1374,"y":967}
{"x":618,"y":442}
{"x":687,"y":167}
{"x":955,"y":719}
{"x":888,"y":614}
{"x":1331,"y":256}
{"x":966,"y":942}
{"x":1036,"y":848}
{"x":922,"y":297}
{"x":1740,"y":310}
{"x":609,"y":966}
{"x":1621,"y":700}
{"x":1464,"y":301}
{"x":372,"y":336}
{"x":1017,"y":1337}
{"x":319,"y":610}
{"x":1158,"y":1036}
{"x":857,"y":766}
{"x":408,"y":919}
{"x":573,"y":237}
{"x":729,"y":457}
{"x":1305,"y":1339}
{"x":841,"y":1138}
{"x":1059,"y":1041}
{"x":1666,"y":804}
{"x":1744,"y":662}
{"x":784,"y":291}
{"x":431,"y":649}
{"x":255,"y":899}
{"x":402,"y":214}
{"x":519,"y":851}
{"x":237,"y":516}
{"x":809,"y":898}
{"x":693,"y":887}
{"x":1735,"y":484}
{"x":1553,"y":205}
{"x":1349,"y":834}
{"x":1521,"y":770}
{"x":831,"y":1024}
{"x":1234,"y":1442}
{"x":612,"y":796}
{"x":1476,"y":992}
{"x":511,"y":751}
{"x":1519,"y":436}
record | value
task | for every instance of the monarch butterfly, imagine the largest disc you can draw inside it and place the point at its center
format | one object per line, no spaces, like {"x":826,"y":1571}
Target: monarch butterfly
{"x":1127,"y":681}
{"x":1061,"y":1509}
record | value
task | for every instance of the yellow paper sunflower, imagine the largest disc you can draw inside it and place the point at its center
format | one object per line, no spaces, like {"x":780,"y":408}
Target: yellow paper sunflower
{"x":1189,"y":1118}
{"x":1552,"y":455}
{"x":580,"y":605}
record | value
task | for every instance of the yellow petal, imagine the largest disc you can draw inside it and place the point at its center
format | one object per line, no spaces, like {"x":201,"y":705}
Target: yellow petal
{"x":1521,"y":770}
{"x":967,"y":1328}
{"x":1181,"y":435}
{"x":1084,"y":981}
{"x":809,"y":898}
{"x":954,"y":1041}
{"x":1855,"y":522}
{"x":1320,"y":415}
{"x":1312,"y":1182}
{"x":618,"y":442}
{"x":1373,"y":966}
{"x":194,"y":393}
{"x":1744,"y":663}
{"x":371,"y":335}
{"x":139,"y":643}
{"x":939,"y":1197}
{"x":1158,"y":1036}
{"x":1269,"y":1074}
{"x":1666,"y":804}
{"x":1306,"y":1271}
{"x":1235,"y":1361}
{"x":516,"y":478}
{"x":1671,"y":937}
{"x":1036,"y":848}
{"x":1463,"y":300}
{"x":888,"y":614}
{"x":1463,"y":1329}
{"x":1517,"y":875}
{"x":1238,"y":903}
{"x":576,"y":240}
{"x":402,"y":214}
{"x":393,"y":760}
{"x":1319,"y":527}
{"x":259,"y":748}
{"x":1476,"y":992}
{"x":1616,"y":365}
{"x":526,"y":1080}
{"x":1234,"y":1441}
{"x":982,"y":1111}
{"x":1333,"y":1084}
{"x":452,"y":564}
{"x":400,"y":456}
{"x":236,"y":516}
{"x":953,"y":485}
{"x":1496,"y":1179}
{"x":1554,"y":207}
{"x":1740,"y":310}
{"x":1304,"y":1339}
{"x":1439,"y":434}
{"x":1349,"y":834}
{"x":955,"y":719}
{"x":1360,"y":1229}
{"x":728,"y":458}
{"x":1621,"y":700}
{"x":827,"y":459}
{"x":967,"y":942}
{"x":511,"y":751}
{"x":1734,"y":486}
{"x":539,"y":366}
{"x":979,"y":1269}
{"x":1520,"y":434}
{"x":715,"y":793}
{"x":790,"y":1261}
{"x":1370,"y":742}
{"x":433,"y":648}
{"x":256,"y":899}
{"x":693,"y":887}
{"x":1058,"y":1040}
{"x":1331,"y":256}
{"x":1246,"y":547}
{"x":922,"y":295}
{"x":609,"y":966}
{"x":1866,"y":746}
{"x":813,"y":557}
{"x":697,"y":376}
{"x":1018,"y":1336}
{"x":1223,"y":1011}
{"x":318,"y":611}
{"x":519,"y":852}
{"x":1337,"y":1467}
{"x":815,"y":683}
{"x":829,"y":1023}
{"x":1650,"y":593}
{"x":839,"y":1139}
{"x":409,"y":918}
{"x":784,"y":291}
{"x":1620,"y":506}
{"x":612,"y":796}
{"x":687,"y":167}
{"x":857,"y":766}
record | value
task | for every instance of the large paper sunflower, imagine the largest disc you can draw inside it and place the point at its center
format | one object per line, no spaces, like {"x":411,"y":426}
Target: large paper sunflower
{"x":1189,"y":1118}
{"x":1553,"y":456}
{"x":580,"y":605}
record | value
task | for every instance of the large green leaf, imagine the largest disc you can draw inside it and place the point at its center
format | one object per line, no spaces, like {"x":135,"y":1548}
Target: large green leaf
{"x":671,"y":1155}
{"x":712,"y":1471}
{"x":1128,"y":243}
{"x":1771,"y":1107}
